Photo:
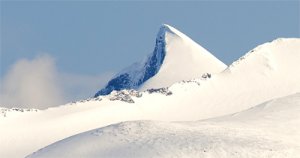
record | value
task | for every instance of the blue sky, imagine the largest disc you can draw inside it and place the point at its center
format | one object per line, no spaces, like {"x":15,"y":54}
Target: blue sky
{"x":95,"y":38}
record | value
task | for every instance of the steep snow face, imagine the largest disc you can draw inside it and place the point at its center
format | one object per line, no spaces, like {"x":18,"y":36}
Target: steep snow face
{"x":267,"y":130}
{"x":175,"y":57}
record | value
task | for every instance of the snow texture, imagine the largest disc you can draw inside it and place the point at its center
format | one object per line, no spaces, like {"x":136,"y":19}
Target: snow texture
{"x":266,"y":130}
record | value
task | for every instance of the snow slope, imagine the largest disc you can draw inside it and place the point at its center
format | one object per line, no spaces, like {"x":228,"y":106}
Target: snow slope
{"x":269,"y":71}
{"x":267,"y":130}
{"x":176,"y":57}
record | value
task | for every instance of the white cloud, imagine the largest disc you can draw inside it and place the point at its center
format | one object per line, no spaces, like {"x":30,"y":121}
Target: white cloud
{"x":31,"y":83}
{"x":37,"y":84}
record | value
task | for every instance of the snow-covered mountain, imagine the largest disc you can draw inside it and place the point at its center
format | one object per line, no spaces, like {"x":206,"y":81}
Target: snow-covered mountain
{"x":175,"y":57}
{"x":267,"y":130}
{"x":269,"y":71}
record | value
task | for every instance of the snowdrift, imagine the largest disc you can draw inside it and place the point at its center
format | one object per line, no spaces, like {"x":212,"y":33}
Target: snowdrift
{"x":266,"y":130}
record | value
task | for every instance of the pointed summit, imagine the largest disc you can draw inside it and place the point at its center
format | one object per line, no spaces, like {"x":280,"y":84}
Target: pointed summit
{"x":175,"y":57}
{"x":184,"y":60}
{"x":165,"y":28}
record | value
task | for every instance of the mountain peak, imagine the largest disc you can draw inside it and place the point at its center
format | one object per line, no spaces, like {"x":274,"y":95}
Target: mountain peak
{"x":167,"y":29}
{"x":163,"y":30}
{"x":180,"y":57}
